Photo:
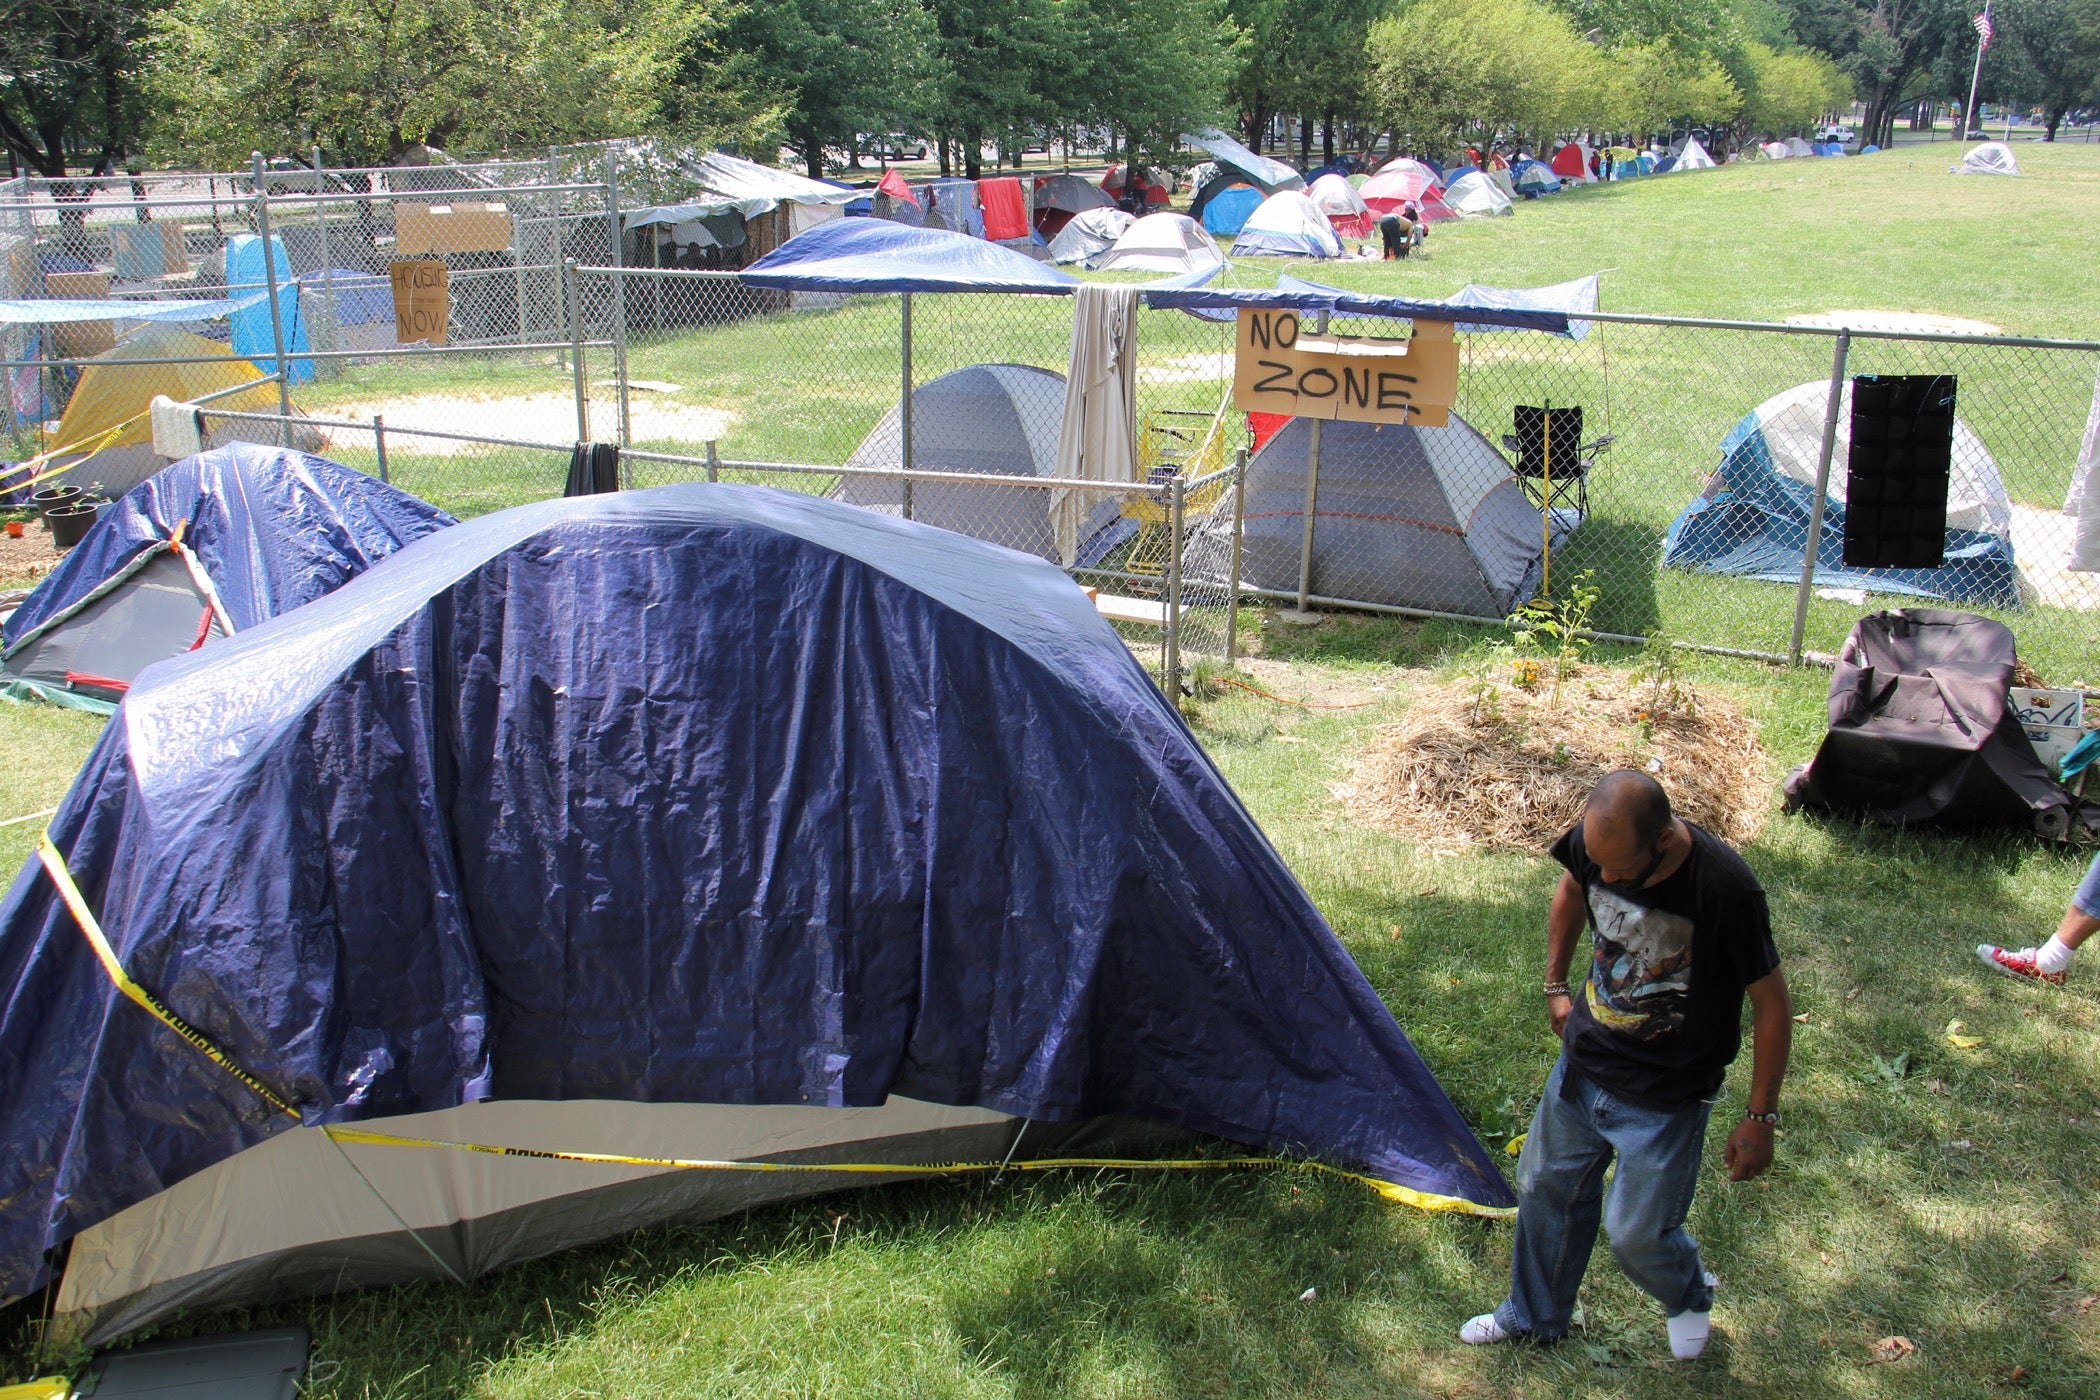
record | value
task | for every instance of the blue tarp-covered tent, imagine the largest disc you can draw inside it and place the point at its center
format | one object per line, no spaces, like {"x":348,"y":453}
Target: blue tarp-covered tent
{"x":1228,"y":210}
{"x":252,"y":333}
{"x":223,"y":540}
{"x":1752,"y":518}
{"x":876,"y":255}
{"x":650,"y":817}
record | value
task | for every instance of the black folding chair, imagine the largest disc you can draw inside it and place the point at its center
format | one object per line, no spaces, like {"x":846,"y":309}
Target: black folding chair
{"x":1560,"y":477}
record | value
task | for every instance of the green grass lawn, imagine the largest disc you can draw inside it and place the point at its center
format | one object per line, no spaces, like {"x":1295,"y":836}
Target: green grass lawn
{"x":1922,"y":1190}
{"x":1948,"y":1202}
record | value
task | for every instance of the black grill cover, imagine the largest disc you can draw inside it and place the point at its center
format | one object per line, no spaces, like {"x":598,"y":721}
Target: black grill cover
{"x":1920,"y":731}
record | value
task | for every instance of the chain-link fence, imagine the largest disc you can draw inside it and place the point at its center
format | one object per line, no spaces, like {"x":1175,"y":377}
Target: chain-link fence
{"x":1671,"y":465}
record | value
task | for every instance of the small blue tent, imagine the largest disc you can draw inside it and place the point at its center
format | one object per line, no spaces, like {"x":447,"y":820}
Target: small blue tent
{"x":220,"y":541}
{"x":1534,"y":178}
{"x":1752,"y":518}
{"x":1229,"y":209}
{"x":696,"y":798}
{"x":252,"y":336}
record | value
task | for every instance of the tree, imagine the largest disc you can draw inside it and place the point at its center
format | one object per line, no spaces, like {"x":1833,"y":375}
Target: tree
{"x":1150,"y":69}
{"x":839,"y":67}
{"x":1001,"y":63}
{"x":67,"y":81}
{"x":1442,"y":70}
{"x":1888,"y":47}
{"x":1786,"y":93}
{"x":366,"y":81}
{"x":2060,"y":41}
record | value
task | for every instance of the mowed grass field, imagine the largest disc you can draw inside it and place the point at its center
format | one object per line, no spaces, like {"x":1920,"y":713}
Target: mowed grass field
{"x":1923,"y":1190}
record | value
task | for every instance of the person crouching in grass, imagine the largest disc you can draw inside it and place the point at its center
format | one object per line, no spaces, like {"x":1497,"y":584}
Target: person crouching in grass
{"x":1680,"y":934}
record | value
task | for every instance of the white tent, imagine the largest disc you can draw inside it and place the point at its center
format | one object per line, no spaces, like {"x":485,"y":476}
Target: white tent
{"x":1088,"y":234}
{"x":1795,"y":146}
{"x":1991,"y":158}
{"x":1417,"y":167}
{"x":1343,"y":206}
{"x":1692,"y":156}
{"x":1476,"y":196}
{"x":1777,"y":150}
{"x":1168,"y":243}
{"x":1288,"y":225}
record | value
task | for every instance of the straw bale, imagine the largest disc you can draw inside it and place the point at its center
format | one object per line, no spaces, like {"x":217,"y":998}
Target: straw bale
{"x":1483,"y":761}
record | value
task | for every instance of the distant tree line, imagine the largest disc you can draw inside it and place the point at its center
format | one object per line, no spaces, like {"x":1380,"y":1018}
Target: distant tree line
{"x":105,"y":85}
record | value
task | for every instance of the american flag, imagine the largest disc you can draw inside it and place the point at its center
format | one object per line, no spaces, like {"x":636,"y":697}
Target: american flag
{"x":1983,"y":29}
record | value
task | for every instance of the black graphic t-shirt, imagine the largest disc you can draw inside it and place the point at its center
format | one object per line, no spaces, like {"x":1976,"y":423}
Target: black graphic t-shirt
{"x":1659,"y":1018}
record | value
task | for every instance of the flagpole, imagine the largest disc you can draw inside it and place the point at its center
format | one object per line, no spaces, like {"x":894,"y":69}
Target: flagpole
{"x":1968,"y":111}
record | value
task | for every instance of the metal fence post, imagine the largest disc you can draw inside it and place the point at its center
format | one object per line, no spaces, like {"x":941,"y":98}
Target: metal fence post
{"x":619,"y":281}
{"x":714,"y":463}
{"x":379,"y":443}
{"x":1177,"y":499}
{"x":569,"y":296}
{"x":1232,"y":582}
{"x":1822,"y":494}
{"x":904,"y":398}
{"x":269,"y":248}
{"x":329,"y":340}
{"x":1312,"y":499}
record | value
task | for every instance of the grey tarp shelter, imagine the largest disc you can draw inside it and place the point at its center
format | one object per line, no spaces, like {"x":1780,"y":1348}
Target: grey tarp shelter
{"x":1428,"y":519}
{"x":998,"y":419}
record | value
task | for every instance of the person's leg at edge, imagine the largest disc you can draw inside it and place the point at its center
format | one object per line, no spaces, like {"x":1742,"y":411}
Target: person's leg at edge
{"x":1650,"y":1197}
{"x":2050,"y":962}
{"x":1560,"y":1201}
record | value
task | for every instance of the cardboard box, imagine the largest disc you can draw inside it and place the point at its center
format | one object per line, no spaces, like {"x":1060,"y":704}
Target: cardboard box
{"x":2053,"y":720}
{"x":81,"y":339}
{"x":432,"y":230}
{"x":1279,"y":367}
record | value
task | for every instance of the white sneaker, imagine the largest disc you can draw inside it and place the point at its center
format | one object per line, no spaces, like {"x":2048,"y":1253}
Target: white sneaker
{"x":1689,"y":1331}
{"x":1482,"y":1331}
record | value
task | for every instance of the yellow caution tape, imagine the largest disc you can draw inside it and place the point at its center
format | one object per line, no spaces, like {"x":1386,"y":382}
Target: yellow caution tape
{"x":30,"y":464}
{"x":1392,"y":1191}
{"x":83,"y":916}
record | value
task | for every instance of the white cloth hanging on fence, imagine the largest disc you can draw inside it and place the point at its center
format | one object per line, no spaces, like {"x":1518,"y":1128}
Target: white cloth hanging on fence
{"x":2083,"y":501}
{"x":1096,"y":441}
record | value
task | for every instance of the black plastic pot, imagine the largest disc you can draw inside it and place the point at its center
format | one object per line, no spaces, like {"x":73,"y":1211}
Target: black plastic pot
{"x":69,"y":523}
{"x":52,"y":497}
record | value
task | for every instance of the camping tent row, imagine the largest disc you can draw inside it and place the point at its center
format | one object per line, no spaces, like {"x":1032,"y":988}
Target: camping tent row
{"x":381,"y":853}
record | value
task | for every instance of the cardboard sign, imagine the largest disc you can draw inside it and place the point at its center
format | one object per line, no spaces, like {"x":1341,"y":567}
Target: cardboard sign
{"x":422,"y":301}
{"x":1280,"y":368}
{"x":480,"y":226}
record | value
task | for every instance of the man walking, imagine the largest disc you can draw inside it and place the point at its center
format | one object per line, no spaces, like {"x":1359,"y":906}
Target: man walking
{"x":1680,"y":932}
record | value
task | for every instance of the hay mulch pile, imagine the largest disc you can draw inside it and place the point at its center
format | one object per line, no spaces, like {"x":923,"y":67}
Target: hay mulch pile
{"x":1486,"y":761}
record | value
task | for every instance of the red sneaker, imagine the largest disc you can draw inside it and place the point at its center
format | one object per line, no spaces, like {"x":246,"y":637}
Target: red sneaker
{"x":2018,"y":964}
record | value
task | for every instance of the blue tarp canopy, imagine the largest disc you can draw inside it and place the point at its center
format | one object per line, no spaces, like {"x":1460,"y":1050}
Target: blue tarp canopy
{"x":64,"y":313}
{"x":1554,"y":310}
{"x":700,"y":794}
{"x":1272,"y":175}
{"x":274,"y":528}
{"x":252,"y":332}
{"x":877,"y":255}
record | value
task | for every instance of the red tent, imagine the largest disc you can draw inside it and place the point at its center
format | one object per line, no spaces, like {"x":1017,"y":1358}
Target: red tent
{"x":1572,"y":161}
{"x":1155,"y":192}
{"x":1390,"y":189}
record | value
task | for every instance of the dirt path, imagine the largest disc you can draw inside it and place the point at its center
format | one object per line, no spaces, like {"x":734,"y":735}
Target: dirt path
{"x":548,"y":417}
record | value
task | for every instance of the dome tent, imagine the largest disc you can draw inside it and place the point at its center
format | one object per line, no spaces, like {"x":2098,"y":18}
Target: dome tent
{"x":1752,"y":518}
{"x":1534,"y":178}
{"x":1388,"y":191}
{"x":217,"y":542}
{"x":701,"y":797}
{"x":1572,"y":162}
{"x":1089,"y":234}
{"x":1060,"y":198}
{"x":1991,"y":158}
{"x":1288,"y":225}
{"x":1428,"y":518}
{"x":1476,"y":196}
{"x":1344,"y":207}
{"x":1230,"y":205}
{"x":1173,"y":244}
{"x":991,"y":419}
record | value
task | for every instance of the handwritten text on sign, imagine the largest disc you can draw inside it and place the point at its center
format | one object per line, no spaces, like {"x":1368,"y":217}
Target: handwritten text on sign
{"x":1279,"y":368}
{"x":422,"y":301}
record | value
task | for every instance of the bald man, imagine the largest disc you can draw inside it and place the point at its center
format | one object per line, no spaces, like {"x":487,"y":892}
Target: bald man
{"x":1680,"y":936}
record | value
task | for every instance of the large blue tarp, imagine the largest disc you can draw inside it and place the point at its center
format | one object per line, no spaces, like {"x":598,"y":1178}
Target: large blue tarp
{"x":273,"y":528}
{"x":710,"y":794}
{"x":66,"y":313}
{"x":877,"y":255}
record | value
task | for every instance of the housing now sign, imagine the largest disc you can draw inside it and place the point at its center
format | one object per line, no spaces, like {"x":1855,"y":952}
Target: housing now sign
{"x":1279,"y":367}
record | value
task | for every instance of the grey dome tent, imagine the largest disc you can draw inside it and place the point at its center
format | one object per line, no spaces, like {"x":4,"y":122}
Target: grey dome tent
{"x":998,"y":419}
{"x":1424,"y":518}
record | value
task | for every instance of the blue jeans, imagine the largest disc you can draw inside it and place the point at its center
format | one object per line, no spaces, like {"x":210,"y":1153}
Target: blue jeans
{"x":1561,"y":1200}
{"x":2087,"y":900}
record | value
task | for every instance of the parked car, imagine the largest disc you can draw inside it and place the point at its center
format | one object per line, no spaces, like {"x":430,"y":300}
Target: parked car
{"x":1835,"y":132}
{"x":898,"y":146}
